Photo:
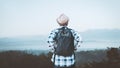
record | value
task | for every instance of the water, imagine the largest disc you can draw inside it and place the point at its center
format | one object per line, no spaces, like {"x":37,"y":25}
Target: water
{"x":41,"y":44}
{"x":99,"y":45}
{"x":24,"y":45}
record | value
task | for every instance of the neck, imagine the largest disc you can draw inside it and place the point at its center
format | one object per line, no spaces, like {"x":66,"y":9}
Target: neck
{"x":63,"y":26}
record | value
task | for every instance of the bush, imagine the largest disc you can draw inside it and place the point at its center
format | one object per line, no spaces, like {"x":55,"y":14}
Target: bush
{"x":19,"y":59}
{"x":84,"y":59}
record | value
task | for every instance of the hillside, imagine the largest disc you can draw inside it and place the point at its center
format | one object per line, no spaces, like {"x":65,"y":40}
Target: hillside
{"x":84,"y":59}
{"x":101,"y":34}
{"x":96,"y":34}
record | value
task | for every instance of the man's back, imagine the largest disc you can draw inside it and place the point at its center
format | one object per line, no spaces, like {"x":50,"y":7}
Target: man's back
{"x":65,"y":42}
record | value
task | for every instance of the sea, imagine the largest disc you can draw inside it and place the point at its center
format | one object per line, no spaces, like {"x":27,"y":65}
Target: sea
{"x":38,"y":45}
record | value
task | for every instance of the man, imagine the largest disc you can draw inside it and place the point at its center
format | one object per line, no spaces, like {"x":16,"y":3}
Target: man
{"x":64,"y":41}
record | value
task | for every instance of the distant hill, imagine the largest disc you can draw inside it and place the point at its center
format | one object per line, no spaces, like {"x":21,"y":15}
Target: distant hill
{"x":91,"y":35}
{"x":40,"y":41}
{"x":101,"y":34}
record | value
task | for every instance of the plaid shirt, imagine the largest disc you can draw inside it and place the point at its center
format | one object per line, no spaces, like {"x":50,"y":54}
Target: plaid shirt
{"x":61,"y":60}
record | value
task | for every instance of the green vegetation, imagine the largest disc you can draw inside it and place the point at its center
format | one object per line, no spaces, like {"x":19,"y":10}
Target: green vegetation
{"x":84,"y":59}
{"x":19,"y":59}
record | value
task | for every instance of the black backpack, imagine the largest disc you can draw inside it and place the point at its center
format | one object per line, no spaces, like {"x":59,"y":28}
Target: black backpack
{"x":65,"y":42}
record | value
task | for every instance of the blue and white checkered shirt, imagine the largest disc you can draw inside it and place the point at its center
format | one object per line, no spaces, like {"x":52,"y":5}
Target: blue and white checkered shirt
{"x":63,"y":60}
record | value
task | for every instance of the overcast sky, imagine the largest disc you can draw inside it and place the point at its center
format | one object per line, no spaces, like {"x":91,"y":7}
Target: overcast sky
{"x":38,"y":17}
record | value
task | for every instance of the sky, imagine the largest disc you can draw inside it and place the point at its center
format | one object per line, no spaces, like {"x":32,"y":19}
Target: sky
{"x":38,"y":17}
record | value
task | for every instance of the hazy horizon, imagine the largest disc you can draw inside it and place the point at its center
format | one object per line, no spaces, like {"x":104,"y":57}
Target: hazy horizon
{"x":92,"y":39}
{"x":41,"y":44}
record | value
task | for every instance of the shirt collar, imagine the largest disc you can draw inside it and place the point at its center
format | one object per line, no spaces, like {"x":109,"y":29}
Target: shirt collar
{"x":63,"y":26}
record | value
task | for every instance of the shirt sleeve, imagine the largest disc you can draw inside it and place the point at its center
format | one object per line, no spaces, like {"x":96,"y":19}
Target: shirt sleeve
{"x":77,"y":38}
{"x":51,"y":38}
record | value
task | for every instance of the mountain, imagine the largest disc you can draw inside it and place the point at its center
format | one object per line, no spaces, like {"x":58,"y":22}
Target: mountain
{"x":39,"y":42}
{"x":101,"y":34}
{"x":98,"y":34}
